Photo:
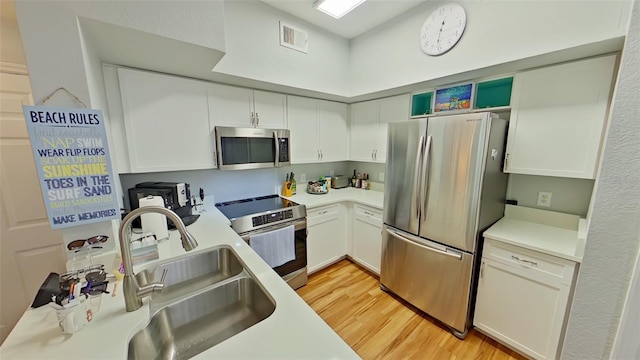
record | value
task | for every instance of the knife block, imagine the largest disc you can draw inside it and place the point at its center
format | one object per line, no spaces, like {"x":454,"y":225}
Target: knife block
{"x":287,"y":189}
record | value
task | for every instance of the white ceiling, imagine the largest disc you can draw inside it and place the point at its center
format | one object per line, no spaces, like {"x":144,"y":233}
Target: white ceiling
{"x":360,"y":20}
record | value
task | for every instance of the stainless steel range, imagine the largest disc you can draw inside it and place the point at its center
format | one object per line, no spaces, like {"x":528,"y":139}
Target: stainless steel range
{"x":270,"y":214}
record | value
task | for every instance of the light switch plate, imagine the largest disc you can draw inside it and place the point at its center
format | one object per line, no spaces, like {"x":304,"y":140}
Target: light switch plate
{"x":544,"y":199}
{"x":381,"y":176}
{"x":303,"y":178}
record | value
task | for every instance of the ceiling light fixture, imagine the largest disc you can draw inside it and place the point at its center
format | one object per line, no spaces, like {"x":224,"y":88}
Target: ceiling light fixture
{"x":337,"y":8}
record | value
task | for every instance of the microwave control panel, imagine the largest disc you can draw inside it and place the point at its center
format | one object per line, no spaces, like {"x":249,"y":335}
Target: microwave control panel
{"x":272,"y":217}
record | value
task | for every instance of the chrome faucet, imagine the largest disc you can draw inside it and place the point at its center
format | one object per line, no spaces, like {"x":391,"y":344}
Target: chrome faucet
{"x":133,"y":292}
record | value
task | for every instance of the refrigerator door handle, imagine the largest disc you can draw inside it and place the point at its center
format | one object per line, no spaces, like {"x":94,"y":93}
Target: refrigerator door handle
{"x":421,"y":245}
{"x":418,"y":172}
{"x":425,"y":178}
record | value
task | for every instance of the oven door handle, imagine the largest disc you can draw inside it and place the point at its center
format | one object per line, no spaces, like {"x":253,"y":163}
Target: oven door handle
{"x":277,"y":162}
{"x":299,"y":224}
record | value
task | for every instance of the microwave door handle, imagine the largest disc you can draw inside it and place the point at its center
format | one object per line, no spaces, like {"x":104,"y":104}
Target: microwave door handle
{"x":277,"y":162}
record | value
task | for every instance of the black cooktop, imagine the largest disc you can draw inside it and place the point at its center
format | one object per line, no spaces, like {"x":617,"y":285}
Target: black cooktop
{"x":239,"y":208}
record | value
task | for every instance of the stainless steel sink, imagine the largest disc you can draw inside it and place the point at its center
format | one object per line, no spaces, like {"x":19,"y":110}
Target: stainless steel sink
{"x":191,"y":273}
{"x":196,"y":323}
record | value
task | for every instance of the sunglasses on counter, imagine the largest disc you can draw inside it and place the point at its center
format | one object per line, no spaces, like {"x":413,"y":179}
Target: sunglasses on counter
{"x":77,"y":244}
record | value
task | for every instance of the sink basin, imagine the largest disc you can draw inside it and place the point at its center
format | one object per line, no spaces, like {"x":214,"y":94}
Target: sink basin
{"x":194,"y":324}
{"x":191,"y":273}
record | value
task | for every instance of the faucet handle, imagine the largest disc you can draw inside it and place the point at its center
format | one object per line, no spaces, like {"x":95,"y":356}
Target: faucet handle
{"x":164,"y":275}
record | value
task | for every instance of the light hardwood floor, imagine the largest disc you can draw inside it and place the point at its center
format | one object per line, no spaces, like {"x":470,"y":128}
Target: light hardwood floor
{"x":378,"y":325}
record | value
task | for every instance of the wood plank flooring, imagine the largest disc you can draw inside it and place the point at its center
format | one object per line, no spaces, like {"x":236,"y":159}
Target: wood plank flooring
{"x":378,"y":325}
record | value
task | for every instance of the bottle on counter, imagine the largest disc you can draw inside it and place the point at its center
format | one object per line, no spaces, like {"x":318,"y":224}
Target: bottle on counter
{"x":354,"y":179}
{"x":363,"y":182}
{"x":358,"y":181}
{"x":293,"y":184}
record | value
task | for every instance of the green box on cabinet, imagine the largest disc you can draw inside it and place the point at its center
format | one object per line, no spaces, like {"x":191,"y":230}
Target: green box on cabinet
{"x":493,"y":93}
{"x":421,"y":104}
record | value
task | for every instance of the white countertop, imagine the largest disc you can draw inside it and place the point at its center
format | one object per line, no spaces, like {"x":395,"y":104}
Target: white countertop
{"x":293,"y":331}
{"x":366,"y":197}
{"x":543,"y":231}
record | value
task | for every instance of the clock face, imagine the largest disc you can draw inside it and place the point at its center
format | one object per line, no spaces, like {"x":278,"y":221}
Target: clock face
{"x":442,"y":29}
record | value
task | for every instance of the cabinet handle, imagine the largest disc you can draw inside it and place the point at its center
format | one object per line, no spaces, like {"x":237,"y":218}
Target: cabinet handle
{"x":215,"y":158}
{"x":506,"y":162}
{"x":375,"y":154}
{"x":323,"y":212}
{"x":253,"y":118}
{"x":257,"y":119}
{"x":368,"y":213}
{"x":321,"y":155}
{"x":318,"y":157}
{"x":482,"y":270}
{"x":524,"y":260}
{"x":372,"y":151}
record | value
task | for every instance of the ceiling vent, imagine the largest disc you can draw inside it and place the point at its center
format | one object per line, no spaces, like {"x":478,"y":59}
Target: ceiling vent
{"x":293,"y":38}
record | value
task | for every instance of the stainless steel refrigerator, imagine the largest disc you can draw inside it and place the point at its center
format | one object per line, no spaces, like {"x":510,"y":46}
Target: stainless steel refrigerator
{"x":444,"y":186}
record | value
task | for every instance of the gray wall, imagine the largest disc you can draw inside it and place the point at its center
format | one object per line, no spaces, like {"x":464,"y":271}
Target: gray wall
{"x":612,"y":240}
{"x":569,"y":196}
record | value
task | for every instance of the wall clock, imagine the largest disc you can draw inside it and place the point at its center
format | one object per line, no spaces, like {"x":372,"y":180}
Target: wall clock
{"x":442,"y":29}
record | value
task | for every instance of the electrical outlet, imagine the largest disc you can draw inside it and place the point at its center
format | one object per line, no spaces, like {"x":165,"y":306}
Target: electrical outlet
{"x":332,"y":173}
{"x":381,"y":176}
{"x":303,"y":178}
{"x":544,"y":199}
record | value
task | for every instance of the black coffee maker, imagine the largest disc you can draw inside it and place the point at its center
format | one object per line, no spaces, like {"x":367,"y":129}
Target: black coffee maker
{"x":176,"y":196}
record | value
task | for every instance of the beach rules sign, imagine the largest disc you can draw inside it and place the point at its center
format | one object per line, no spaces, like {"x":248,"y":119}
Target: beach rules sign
{"x":72,"y":158}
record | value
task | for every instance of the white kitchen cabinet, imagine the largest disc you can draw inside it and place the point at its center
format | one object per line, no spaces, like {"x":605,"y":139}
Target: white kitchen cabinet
{"x":241,"y":107}
{"x":367,"y":237}
{"x":326,"y":239}
{"x":369,"y":121}
{"x":558,"y":118}
{"x":319,"y":130}
{"x":522,"y":298}
{"x":166,"y":122}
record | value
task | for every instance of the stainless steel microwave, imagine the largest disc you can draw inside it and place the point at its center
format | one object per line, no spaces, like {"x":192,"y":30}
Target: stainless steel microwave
{"x":252,"y":148}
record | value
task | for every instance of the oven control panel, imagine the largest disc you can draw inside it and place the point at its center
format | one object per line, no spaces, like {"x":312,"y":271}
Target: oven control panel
{"x":272,"y":217}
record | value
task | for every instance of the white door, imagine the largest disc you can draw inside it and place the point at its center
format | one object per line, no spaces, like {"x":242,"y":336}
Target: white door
{"x":333,"y":131}
{"x":167,"y":122}
{"x":364,"y":123}
{"x":230,"y":106}
{"x":302,"y":114}
{"x":392,"y":109}
{"x":29,"y":248}
{"x":270,"y":108}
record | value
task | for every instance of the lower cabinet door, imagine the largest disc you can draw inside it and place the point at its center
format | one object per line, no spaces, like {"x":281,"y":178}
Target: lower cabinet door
{"x":367,"y":239}
{"x":520,"y":310}
{"x":326,"y":240}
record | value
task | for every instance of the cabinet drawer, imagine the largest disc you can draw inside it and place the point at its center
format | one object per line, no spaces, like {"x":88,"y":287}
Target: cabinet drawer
{"x":533,"y":262}
{"x":322,"y":214}
{"x":368,"y":214}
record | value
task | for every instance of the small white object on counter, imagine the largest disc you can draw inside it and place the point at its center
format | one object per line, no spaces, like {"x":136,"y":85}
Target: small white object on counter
{"x":152,"y":222}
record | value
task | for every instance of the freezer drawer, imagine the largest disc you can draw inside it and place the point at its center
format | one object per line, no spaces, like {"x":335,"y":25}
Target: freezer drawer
{"x":434,"y":278}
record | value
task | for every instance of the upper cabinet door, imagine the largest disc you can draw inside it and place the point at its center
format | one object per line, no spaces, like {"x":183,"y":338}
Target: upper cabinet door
{"x":558,"y":118}
{"x":392,"y":109}
{"x":269,"y":109}
{"x":364,"y":123}
{"x":302,"y":114}
{"x":230,"y":106}
{"x":333,"y":131}
{"x":166,"y":122}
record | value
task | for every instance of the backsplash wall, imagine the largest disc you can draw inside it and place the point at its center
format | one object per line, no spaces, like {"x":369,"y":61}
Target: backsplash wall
{"x":236,"y":184}
{"x":571,"y":196}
